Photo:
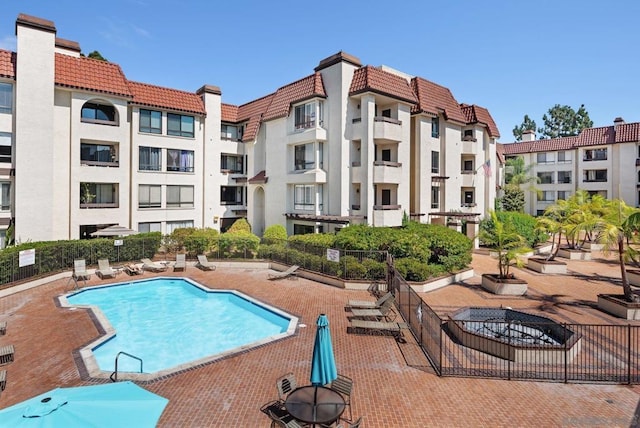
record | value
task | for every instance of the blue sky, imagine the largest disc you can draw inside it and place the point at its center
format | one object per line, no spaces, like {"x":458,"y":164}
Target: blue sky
{"x":513,"y":57}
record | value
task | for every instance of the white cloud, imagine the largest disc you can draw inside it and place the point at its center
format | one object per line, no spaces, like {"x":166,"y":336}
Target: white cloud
{"x":8,"y":43}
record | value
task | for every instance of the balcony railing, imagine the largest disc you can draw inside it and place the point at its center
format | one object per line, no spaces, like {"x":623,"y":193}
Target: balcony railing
{"x":387,"y":119}
{"x":111,"y":164}
{"x":388,"y":163}
{"x":99,"y":205}
{"x":386,"y":207}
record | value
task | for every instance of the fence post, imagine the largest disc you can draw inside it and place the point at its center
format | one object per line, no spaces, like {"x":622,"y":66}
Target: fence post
{"x":509,"y":358}
{"x":629,"y":354}
{"x":566,"y":360}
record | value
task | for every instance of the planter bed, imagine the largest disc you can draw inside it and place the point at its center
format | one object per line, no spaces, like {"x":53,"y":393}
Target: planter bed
{"x":574,"y":254}
{"x":547,"y":266}
{"x":507,"y":286}
{"x":615,"y":304}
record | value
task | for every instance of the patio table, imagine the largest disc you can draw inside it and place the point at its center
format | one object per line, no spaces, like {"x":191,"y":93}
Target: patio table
{"x":315,"y":404}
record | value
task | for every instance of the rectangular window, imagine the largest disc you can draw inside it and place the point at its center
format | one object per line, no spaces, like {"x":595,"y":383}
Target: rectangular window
{"x":231,"y":132}
{"x":467,"y":166}
{"x":547,"y":196}
{"x":151,"y":121}
{"x":386,"y":113}
{"x":98,"y":195}
{"x":5,"y":194}
{"x":182,"y":224}
{"x":545,"y":158}
{"x":6,"y":97}
{"x":386,"y":196}
{"x":231,"y":163}
{"x":598,"y":175}
{"x":435,"y":162}
{"x":468,"y":135}
{"x":595,"y":154}
{"x":545,"y":177}
{"x":5,"y":147}
{"x":386,"y":155}
{"x":179,"y":196}
{"x":231,"y":195}
{"x":302,"y":229}
{"x":564,"y":177}
{"x":304,"y":197}
{"x":180,"y":125}
{"x":305,"y":116}
{"x":149,"y":196}
{"x":150,"y":158}
{"x":149,"y":227}
{"x":539,"y":213}
{"x":304,"y":157}
{"x":435,"y":196}
{"x":563,"y":195}
{"x":179,"y":160}
{"x":435,"y":127}
{"x":468,"y":198}
{"x":98,"y":154}
{"x":564,"y":157}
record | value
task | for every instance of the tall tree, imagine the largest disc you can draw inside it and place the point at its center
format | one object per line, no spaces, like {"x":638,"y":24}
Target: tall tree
{"x":517,"y":174}
{"x":564,"y":121}
{"x":526,"y":125}
{"x":95,"y":55}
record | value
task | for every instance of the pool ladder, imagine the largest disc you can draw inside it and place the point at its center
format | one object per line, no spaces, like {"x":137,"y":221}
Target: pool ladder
{"x":114,"y":375}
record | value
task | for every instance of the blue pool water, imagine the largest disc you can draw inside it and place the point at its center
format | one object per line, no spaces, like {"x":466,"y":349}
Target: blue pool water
{"x":170,"y":321}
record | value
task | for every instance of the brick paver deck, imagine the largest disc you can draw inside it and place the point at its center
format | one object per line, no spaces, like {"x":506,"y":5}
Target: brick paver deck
{"x":394,"y":385}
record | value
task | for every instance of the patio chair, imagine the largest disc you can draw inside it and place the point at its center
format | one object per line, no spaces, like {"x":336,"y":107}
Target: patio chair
{"x":148,"y":264}
{"x":204,"y":264}
{"x":379,"y":327}
{"x":285,"y":385}
{"x":385,"y":311}
{"x":181,"y":262}
{"x":344,"y":385}
{"x":355,"y":424}
{"x":289,"y":273}
{"x":366,"y":304}
{"x":79,"y":272}
{"x":3,"y":327}
{"x":3,"y":380}
{"x":285,"y":422}
{"x":104,"y":269}
{"x":6,"y":354}
{"x":132,"y":270}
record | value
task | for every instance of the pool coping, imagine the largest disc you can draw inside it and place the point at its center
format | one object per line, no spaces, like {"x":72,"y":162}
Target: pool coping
{"x":88,"y":365}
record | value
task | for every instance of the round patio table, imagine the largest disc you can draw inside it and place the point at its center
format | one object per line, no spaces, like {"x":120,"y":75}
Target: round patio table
{"x":315,"y":404}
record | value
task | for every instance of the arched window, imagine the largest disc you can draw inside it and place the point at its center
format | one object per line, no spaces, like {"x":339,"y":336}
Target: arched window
{"x":99,"y":112}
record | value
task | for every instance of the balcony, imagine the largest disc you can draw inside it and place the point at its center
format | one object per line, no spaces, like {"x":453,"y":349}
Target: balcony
{"x":387,"y":172}
{"x":387,"y":215}
{"x":356,"y":172}
{"x":307,"y":135}
{"x":468,"y":178}
{"x":386,"y":128}
{"x":354,"y":132}
{"x":469,"y":146}
{"x":307,"y":176}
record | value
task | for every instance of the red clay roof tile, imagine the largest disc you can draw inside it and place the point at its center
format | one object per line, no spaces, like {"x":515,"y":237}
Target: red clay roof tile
{"x":434,"y":99}
{"x":90,"y":74}
{"x":628,"y":132}
{"x":7,"y":64}
{"x":166,"y":98}
{"x":229,"y":113}
{"x":477,"y":114}
{"x":303,"y":89}
{"x":373,"y":79}
{"x":595,"y":136}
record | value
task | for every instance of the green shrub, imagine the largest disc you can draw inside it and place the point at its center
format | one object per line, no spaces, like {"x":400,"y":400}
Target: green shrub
{"x":274,"y":233}
{"x":201,"y":241}
{"x":449,"y":248}
{"x":325,"y":240}
{"x":239,"y":244}
{"x":525,"y":226}
{"x":415,"y":270}
{"x":240,"y":225}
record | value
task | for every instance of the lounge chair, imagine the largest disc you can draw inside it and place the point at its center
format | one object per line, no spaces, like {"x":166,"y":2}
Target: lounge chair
{"x":289,"y":273}
{"x":104,"y":270}
{"x":385,"y":312}
{"x":366,"y":304}
{"x":3,"y":380}
{"x":344,"y":385}
{"x":132,"y":270}
{"x":148,"y":264}
{"x":181,"y":262}
{"x":79,"y":272}
{"x":205,"y":264}
{"x":6,"y":354}
{"x":379,"y":327}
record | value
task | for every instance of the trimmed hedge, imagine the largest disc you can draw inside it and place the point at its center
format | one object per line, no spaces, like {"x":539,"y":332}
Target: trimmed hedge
{"x":524,"y":224}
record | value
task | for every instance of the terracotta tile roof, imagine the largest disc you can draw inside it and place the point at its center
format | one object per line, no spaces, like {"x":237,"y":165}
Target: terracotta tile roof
{"x":90,"y":74}
{"x":373,"y":79}
{"x":229,"y":113}
{"x":500,"y":152}
{"x":477,"y":114}
{"x":595,"y":136}
{"x":628,"y":132}
{"x":166,"y":98}
{"x":303,"y":89}
{"x":260,"y":177}
{"x":434,"y":99}
{"x":7,"y":64}
{"x":252,"y":113}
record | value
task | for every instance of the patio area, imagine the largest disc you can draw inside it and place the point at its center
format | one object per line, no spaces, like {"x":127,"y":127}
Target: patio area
{"x":394,"y":384}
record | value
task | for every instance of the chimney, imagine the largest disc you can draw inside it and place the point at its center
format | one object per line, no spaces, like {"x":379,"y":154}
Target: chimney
{"x":528,"y":135}
{"x":617,"y":122}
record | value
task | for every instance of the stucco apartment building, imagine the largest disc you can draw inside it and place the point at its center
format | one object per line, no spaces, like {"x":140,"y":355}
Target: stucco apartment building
{"x":83,"y":147}
{"x":603,"y":160}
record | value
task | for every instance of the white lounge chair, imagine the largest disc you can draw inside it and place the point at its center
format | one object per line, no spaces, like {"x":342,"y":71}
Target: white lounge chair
{"x":205,"y":264}
{"x":181,"y":262}
{"x":148,"y":264}
{"x":104,"y":270}
{"x":385,"y":311}
{"x":366,"y":304}
{"x":79,"y":272}
{"x":291,"y":272}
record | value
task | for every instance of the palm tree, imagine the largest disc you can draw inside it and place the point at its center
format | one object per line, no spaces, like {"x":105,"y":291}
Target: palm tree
{"x":517,"y":174}
{"x":618,"y":231}
{"x":503,"y":238}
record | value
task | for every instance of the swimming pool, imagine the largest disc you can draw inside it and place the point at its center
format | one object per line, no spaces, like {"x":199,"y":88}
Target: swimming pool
{"x":173,"y":323}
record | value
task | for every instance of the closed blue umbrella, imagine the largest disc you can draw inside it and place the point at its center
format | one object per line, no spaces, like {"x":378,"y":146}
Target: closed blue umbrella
{"x":323,"y":365}
{"x":122,"y":404}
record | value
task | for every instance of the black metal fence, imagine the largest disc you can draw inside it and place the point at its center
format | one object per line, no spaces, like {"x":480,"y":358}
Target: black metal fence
{"x":559,"y":352}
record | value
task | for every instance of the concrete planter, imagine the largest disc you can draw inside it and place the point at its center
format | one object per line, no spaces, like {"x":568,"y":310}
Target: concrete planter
{"x":574,"y":254}
{"x":593,"y":246}
{"x":615,"y":304}
{"x":547,"y":266}
{"x":507,"y":286}
{"x":634,"y":277}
